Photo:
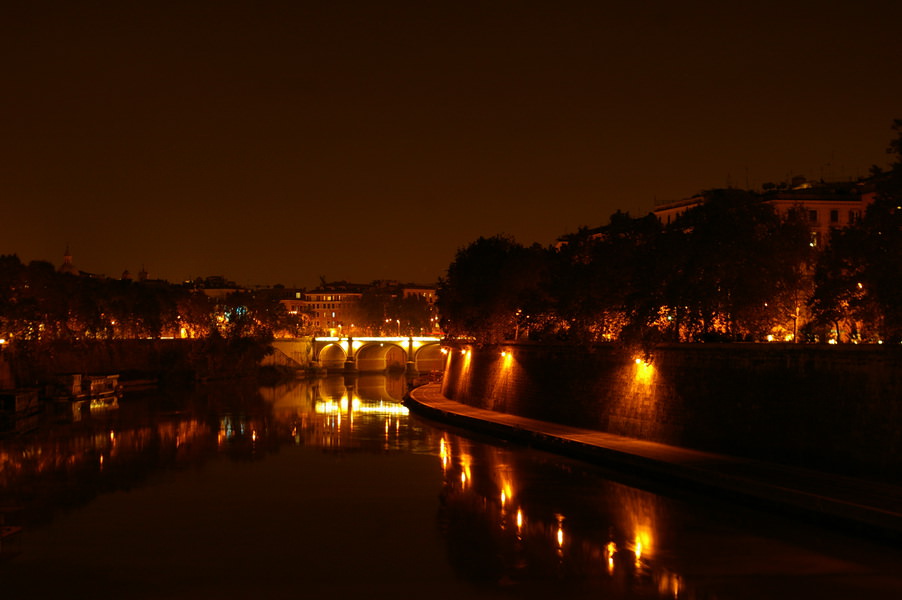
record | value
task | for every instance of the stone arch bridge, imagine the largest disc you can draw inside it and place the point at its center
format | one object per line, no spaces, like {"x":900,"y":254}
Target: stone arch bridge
{"x":415,"y":354}
{"x":364,"y":354}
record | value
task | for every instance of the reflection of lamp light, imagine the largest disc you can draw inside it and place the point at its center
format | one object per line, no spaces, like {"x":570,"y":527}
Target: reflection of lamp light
{"x":642,"y":545}
{"x":443,"y":452}
{"x":610,"y":550}
{"x":560,"y":531}
{"x":507,"y":490}
{"x":670,"y":582}
{"x":465,"y":461}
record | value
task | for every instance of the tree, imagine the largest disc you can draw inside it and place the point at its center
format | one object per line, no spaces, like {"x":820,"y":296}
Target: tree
{"x":883,"y":224}
{"x":249,"y":315}
{"x":11,"y":271}
{"x":734,"y":265}
{"x":577,"y":288}
{"x":858,"y":279}
{"x":373,"y":309}
{"x":599,"y":277}
{"x":413,"y":313}
{"x":486,"y":285}
{"x":838,"y":300}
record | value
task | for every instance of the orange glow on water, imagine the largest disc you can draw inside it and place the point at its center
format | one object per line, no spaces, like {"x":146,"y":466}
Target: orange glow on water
{"x":444,"y":454}
{"x":670,"y":584}
{"x":642,"y":543}
{"x":507,"y":493}
{"x":559,"y":535}
{"x":465,"y":462}
{"x":610,"y":550}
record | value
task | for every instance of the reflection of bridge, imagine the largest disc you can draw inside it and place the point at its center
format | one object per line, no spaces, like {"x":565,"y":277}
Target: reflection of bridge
{"x":415,"y":354}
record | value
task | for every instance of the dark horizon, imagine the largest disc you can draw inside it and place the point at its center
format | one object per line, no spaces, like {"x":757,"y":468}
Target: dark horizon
{"x":359,"y":142}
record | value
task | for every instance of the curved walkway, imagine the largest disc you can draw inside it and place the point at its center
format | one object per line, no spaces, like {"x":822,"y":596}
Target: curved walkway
{"x":866,"y":506}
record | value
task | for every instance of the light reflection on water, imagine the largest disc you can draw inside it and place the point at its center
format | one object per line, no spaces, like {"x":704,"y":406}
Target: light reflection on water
{"x":600,"y":536}
{"x":148,"y":431}
{"x":509,"y":521}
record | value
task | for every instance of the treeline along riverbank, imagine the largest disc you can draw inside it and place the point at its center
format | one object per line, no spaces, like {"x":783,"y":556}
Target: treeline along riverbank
{"x":830,"y":408}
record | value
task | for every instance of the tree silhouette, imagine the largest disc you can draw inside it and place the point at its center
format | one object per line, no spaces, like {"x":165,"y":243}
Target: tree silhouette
{"x":490,"y":284}
{"x":859,"y":281}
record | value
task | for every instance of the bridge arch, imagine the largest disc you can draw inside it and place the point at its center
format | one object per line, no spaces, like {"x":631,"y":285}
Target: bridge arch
{"x":332,"y":356}
{"x":373,"y":354}
{"x":429,"y":357}
{"x":381,"y":356}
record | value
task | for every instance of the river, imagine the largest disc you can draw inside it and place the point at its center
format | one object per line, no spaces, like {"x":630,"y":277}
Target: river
{"x":329,"y":488}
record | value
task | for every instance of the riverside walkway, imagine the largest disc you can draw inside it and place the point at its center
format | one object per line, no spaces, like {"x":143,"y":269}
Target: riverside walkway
{"x":870,"y":507}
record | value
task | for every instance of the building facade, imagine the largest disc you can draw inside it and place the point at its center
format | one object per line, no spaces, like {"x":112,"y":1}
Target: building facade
{"x":336,"y":309}
{"x":825,"y":206}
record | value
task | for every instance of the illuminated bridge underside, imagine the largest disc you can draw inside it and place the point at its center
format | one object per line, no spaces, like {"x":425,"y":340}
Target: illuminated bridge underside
{"x":379,"y":353}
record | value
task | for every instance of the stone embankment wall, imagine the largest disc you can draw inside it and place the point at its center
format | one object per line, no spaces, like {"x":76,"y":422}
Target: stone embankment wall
{"x":829,"y":408}
{"x":133,"y":359}
{"x":291,"y":353}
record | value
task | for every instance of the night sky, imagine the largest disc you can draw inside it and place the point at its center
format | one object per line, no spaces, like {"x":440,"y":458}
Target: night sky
{"x":275,"y":142}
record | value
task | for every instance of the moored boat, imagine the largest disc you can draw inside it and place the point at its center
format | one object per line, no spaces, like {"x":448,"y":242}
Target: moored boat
{"x":103,"y":391}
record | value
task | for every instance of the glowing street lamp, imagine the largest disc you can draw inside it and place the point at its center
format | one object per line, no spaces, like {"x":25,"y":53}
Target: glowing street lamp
{"x":398,"y":321}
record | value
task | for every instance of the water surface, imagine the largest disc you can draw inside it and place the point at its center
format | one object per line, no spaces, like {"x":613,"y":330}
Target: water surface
{"x":328,"y":488}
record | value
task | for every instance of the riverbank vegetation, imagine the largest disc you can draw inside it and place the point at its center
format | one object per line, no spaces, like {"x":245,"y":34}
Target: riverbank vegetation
{"x":40,"y":304}
{"x":52,"y":321}
{"x":732,"y":267}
